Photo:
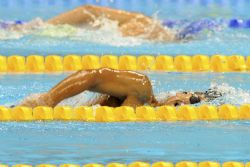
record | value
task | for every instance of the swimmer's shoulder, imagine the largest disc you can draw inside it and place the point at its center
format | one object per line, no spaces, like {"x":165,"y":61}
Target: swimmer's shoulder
{"x":109,"y":70}
{"x":106,"y":70}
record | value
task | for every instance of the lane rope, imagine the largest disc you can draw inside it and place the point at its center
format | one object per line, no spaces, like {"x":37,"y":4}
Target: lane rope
{"x":146,"y":164}
{"x":127,"y":114}
{"x":179,"y":63}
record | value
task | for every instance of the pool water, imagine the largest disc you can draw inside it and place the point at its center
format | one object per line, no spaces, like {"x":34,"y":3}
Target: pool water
{"x":77,"y":142}
{"x":109,"y":41}
{"x":81,"y":143}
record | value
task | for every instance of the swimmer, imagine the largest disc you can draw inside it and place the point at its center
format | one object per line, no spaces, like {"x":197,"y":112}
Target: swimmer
{"x":130,"y":23}
{"x":119,"y":88}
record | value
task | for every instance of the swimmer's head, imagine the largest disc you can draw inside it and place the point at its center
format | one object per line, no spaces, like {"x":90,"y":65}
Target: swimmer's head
{"x":190,"y":98}
{"x":198,"y":97}
{"x":195,"y":99}
{"x":185,"y":98}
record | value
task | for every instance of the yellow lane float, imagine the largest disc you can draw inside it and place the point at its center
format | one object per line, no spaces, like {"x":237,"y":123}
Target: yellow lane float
{"x":180,"y":63}
{"x":126,"y":113}
{"x":146,"y":164}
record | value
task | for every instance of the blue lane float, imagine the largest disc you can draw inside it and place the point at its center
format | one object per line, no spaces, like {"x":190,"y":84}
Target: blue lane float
{"x":239,"y":23}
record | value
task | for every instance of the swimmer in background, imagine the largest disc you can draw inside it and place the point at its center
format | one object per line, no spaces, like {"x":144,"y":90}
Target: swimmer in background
{"x":130,"y":23}
{"x":119,"y":88}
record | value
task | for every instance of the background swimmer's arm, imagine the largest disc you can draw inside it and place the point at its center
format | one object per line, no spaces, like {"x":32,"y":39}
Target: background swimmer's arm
{"x":87,"y":14}
{"x":76,"y":16}
{"x":130,"y":23}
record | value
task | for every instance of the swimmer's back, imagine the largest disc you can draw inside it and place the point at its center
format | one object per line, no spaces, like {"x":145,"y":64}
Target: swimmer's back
{"x":122,"y":83}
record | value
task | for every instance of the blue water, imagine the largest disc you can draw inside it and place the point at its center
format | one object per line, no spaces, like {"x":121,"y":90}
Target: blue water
{"x":67,"y":142}
{"x":226,"y":41}
{"x":176,"y":9}
{"x":81,"y":143}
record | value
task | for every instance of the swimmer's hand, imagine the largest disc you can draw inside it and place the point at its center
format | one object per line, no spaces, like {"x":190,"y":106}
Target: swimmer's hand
{"x":35,"y":100}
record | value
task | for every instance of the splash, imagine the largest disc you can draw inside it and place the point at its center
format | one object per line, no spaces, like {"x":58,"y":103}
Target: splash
{"x":83,"y":99}
{"x":107,"y":32}
{"x":230,"y":95}
{"x":102,"y":31}
{"x":6,"y":35}
{"x":10,"y":30}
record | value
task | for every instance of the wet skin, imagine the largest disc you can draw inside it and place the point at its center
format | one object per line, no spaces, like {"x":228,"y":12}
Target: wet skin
{"x":120,"y":87}
{"x":130,"y":87}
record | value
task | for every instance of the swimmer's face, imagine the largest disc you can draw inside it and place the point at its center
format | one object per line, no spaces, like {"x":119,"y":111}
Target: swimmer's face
{"x":184,"y":98}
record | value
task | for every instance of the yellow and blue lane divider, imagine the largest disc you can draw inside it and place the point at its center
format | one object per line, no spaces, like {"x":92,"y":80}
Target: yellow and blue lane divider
{"x":179,"y":63}
{"x":126,"y":113}
{"x":146,"y":164}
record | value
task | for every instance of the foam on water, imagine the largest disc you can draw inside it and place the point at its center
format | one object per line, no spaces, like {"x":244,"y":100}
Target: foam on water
{"x":230,"y":95}
{"x":82,"y":99}
{"x":102,"y":31}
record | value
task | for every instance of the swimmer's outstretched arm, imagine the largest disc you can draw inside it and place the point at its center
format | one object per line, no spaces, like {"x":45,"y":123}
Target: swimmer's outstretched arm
{"x":88,"y":13}
{"x":127,"y":88}
{"x":70,"y":86}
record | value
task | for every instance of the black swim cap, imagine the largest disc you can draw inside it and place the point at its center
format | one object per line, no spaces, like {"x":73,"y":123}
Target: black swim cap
{"x":12,"y":106}
{"x":212,"y":94}
{"x":194,"y":99}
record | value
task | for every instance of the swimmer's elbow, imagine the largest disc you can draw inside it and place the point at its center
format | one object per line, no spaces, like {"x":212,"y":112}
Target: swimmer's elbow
{"x":88,"y":6}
